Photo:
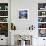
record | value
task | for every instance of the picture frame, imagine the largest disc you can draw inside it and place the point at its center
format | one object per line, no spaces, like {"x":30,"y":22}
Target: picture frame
{"x":23,"y":14}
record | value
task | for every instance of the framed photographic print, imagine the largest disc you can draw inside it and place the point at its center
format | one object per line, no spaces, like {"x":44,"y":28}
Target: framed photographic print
{"x":23,"y":14}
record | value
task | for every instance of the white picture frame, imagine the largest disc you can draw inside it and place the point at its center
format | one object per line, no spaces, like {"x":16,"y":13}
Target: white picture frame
{"x":23,"y":14}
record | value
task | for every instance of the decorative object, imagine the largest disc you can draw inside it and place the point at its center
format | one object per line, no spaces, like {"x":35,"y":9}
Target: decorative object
{"x":4,"y":29}
{"x":43,"y":25}
{"x":41,"y":19}
{"x":31,"y":27}
{"x":41,"y":6}
{"x":3,"y":19}
{"x":0,"y":7}
{"x":42,"y":32}
{"x":22,"y":43}
{"x":23,"y":40}
{"x":23,"y":14}
{"x":6,"y":7}
{"x":3,"y":6}
{"x":43,"y":13}
{"x":3,"y":13}
{"x":13,"y":27}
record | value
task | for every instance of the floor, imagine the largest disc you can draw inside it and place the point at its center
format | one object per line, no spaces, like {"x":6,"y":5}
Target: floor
{"x":3,"y":45}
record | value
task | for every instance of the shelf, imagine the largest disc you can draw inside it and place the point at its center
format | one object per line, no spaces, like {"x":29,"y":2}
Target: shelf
{"x":41,"y":22}
{"x":41,"y":10}
{"x":42,"y":16}
{"x":42,"y":37}
{"x":42,"y":19}
{"x":3,"y":16}
{"x":3,"y":10}
{"x":41,"y":28}
{"x":4,"y":19}
{"x":3,"y":22}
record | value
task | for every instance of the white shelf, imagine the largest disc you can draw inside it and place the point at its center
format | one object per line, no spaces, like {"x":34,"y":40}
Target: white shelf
{"x":3,"y":22}
{"x":41,"y":22}
{"x":41,"y":28}
{"x":3,"y":16}
{"x":3,"y":10}
{"x":42,"y":16}
{"x":41,"y":10}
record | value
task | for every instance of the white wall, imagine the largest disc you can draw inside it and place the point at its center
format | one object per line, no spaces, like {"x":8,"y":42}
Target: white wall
{"x":24,"y":4}
{"x":24,"y":24}
{"x":32,"y":5}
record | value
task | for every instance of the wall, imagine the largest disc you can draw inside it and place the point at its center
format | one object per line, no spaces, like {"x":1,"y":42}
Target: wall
{"x":25,"y":4}
{"x":32,"y":5}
